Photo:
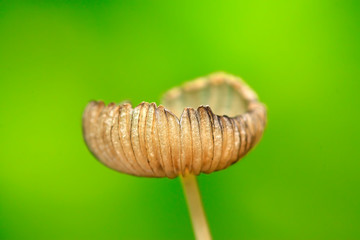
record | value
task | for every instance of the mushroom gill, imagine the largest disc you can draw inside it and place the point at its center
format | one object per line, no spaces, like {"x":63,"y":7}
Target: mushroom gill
{"x":204,"y":126}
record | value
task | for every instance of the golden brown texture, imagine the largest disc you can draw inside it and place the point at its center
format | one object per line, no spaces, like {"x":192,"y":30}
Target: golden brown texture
{"x":184,"y":135}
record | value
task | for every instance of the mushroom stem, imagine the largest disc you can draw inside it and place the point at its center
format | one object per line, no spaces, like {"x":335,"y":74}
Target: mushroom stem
{"x":197,"y":214}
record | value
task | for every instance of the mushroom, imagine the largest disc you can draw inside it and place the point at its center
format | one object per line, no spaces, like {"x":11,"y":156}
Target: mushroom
{"x":183,"y":137}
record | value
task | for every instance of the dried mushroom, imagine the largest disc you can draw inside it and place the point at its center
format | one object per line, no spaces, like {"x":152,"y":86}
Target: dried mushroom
{"x":204,"y":126}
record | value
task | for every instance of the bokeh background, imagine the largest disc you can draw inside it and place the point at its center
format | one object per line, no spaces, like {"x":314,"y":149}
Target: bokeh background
{"x":302,"y":57}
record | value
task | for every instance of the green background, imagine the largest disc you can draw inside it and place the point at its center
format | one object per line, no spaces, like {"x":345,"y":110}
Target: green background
{"x":302,"y":57}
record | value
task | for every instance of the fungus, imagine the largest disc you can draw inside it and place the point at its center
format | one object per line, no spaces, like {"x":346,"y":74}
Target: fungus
{"x":204,"y":126}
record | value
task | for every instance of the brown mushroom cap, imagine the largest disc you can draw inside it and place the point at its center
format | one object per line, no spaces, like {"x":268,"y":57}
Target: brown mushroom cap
{"x":153,"y":141}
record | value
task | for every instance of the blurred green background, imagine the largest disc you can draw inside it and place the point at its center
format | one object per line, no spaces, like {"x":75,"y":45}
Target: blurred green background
{"x":302,"y":57}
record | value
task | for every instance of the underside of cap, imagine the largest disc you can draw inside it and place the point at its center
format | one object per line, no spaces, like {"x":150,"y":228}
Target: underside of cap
{"x":183,"y":136}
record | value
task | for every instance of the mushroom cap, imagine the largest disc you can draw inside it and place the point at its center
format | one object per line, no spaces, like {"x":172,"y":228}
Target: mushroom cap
{"x":185,"y":136}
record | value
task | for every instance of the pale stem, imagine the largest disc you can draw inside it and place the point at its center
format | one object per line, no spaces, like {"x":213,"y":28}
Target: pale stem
{"x":197,"y":214}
